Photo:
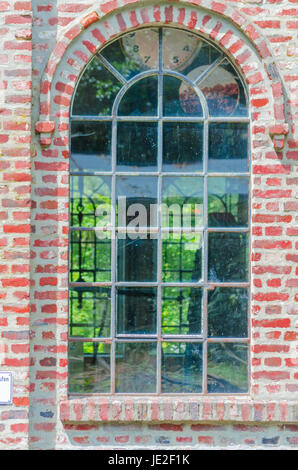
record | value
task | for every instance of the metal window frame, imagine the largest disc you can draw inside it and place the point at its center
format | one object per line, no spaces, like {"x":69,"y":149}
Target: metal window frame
{"x":204,"y":284}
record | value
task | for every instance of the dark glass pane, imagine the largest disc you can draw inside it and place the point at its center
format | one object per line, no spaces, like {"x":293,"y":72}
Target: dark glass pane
{"x":180,"y":99}
{"x":90,"y":201}
{"x":227,"y":368}
{"x":227,"y":202}
{"x":181,"y":367}
{"x":227,"y":257}
{"x":224,"y":92}
{"x":137,"y":146}
{"x":89,"y":312}
{"x":140,"y":99}
{"x":137,"y":257}
{"x":227,"y":312}
{"x":182,"y":146}
{"x":228,"y":147}
{"x":181,"y":310}
{"x":136,"y":310}
{"x":90,"y":146}
{"x":181,"y":257}
{"x":136,"y":201}
{"x":134,"y":52}
{"x":182,"y":198}
{"x":96,"y":91}
{"x":89,"y":367}
{"x":90,"y":257}
{"x":136,"y":367}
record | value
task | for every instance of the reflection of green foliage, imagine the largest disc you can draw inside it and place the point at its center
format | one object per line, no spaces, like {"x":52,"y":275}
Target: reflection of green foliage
{"x":90,"y":311}
{"x":181,"y":310}
{"x":96,"y":91}
{"x":88,"y":195}
{"x":182,"y":260}
{"x":90,"y":258}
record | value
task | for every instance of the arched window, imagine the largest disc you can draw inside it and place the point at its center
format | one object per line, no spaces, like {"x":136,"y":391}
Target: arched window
{"x":159,"y":236}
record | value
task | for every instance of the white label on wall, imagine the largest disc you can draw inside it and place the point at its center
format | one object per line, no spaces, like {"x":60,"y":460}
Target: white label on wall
{"x":5,"y":388}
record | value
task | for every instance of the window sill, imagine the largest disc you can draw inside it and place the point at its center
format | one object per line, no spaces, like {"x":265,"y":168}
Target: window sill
{"x":161,"y":409}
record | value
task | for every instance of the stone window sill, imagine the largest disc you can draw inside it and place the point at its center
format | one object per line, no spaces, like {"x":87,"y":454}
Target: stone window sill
{"x":172,"y":409}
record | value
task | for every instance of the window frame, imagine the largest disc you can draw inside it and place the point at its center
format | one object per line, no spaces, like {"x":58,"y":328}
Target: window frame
{"x":204,"y":284}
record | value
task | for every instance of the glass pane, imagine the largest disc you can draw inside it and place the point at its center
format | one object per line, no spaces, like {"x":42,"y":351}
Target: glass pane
{"x":227,"y":312}
{"x":182,"y":257}
{"x":140,"y":99}
{"x":184,"y":51}
{"x":90,"y":203}
{"x":96,"y":91}
{"x":227,"y":368}
{"x":181,"y":310}
{"x":181,"y":367}
{"x":91,"y":146}
{"x":180,"y":99}
{"x":228,"y":257}
{"x":224,"y":92}
{"x":136,"y":367}
{"x":137,"y":258}
{"x":137,"y":146}
{"x":179,"y":48}
{"x":90,"y":257}
{"x":89,"y":367}
{"x":228,"y":147}
{"x":227,"y":202}
{"x":134,"y":52}
{"x":136,"y":310}
{"x":182,"y":146}
{"x":182,"y":199}
{"x":89,"y":312}
{"x":136,"y":201}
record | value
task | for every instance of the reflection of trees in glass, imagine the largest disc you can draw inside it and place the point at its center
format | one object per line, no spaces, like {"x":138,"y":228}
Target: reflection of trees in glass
{"x":96,"y":91}
{"x":181,"y":310}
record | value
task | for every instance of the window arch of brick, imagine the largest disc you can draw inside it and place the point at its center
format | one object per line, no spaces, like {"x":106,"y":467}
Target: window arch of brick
{"x":249,"y":51}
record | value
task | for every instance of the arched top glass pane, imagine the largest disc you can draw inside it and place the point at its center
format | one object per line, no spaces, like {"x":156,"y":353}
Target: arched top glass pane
{"x":189,"y":64}
{"x":140,"y":99}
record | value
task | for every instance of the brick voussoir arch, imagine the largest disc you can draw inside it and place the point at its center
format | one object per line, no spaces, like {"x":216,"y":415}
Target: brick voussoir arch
{"x":232,"y":31}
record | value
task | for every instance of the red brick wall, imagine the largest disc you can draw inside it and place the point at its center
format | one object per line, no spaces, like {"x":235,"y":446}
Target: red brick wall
{"x":260,"y":37}
{"x":15,"y":177}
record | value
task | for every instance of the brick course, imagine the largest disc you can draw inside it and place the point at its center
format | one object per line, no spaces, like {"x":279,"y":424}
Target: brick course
{"x":40,"y":63}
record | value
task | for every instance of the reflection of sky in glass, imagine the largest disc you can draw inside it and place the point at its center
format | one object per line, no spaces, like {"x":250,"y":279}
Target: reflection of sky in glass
{"x":137,"y":187}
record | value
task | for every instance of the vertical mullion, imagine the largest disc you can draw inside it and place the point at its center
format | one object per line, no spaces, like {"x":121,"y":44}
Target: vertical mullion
{"x":113,"y":256}
{"x":205,"y":255}
{"x":159,"y":202}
